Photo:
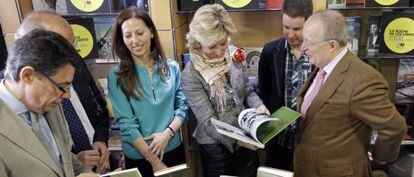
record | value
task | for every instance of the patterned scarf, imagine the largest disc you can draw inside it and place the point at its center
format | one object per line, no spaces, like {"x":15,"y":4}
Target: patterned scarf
{"x":212,"y":70}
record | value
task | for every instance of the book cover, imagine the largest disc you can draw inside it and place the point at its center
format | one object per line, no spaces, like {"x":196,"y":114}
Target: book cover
{"x":273,"y":172}
{"x":175,"y":171}
{"x":257,"y":128}
{"x":373,"y":34}
{"x":355,"y":2}
{"x":274,"y":4}
{"x":387,"y":3}
{"x":103,"y":33}
{"x":191,"y":5}
{"x":405,"y":80}
{"x":336,"y":4}
{"x":84,"y":31}
{"x":134,"y":172}
{"x":398,"y":33}
{"x":252,"y":65}
{"x":75,"y":7}
{"x":354,"y":33}
{"x":59,"y":6}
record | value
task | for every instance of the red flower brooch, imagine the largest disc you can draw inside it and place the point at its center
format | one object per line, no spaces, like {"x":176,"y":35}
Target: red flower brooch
{"x":238,"y":55}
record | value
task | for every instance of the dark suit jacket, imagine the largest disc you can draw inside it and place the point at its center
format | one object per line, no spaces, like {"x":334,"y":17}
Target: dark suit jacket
{"x":272,"y":74}
{"x":92,"y":101}
{"x":334,"y":137}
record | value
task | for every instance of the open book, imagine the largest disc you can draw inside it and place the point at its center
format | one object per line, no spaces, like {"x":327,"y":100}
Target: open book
{"x":273,"y":172}
{"x":134,"y":172}
{"x":257,"y":128}
{"x":175,"y":171}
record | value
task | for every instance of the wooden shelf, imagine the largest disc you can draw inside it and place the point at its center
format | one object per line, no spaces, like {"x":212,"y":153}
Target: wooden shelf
{"x":234,"y":10}
{"x":362,"y":7}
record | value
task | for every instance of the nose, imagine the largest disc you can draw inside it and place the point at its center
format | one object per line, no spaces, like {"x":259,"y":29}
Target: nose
{"x":291,"y":34}
{"x":135,"y":39}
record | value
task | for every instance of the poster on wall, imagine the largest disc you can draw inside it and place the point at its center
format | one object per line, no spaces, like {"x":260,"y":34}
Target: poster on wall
{"x":84,"y":31}
{"x":398,"y":33}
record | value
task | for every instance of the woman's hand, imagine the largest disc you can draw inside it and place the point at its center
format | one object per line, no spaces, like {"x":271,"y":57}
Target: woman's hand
{"x":262,"y":108}
{"x":159,"y":142}
{"x":157,"y":166}
{"x":248,"y":146}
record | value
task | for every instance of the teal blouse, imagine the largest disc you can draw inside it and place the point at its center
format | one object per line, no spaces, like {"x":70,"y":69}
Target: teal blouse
{"x":160,"y":100}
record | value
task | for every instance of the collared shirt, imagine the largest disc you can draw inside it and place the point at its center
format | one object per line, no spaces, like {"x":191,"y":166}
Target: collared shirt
{"x":299,"y":68}
{"x":74,"y":99}
{"x":20,"y":109}
{"x":328,"y":69}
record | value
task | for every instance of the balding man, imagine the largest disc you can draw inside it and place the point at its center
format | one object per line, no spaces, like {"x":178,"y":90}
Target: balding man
{"x":85,"y":111}
{"x":343,"y":100}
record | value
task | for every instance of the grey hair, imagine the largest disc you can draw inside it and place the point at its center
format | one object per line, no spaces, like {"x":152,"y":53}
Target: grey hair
{"x":210,"y":24}
{"x":45,"y":51}
{"x":38,"y":20}
{"x":334,"y":26}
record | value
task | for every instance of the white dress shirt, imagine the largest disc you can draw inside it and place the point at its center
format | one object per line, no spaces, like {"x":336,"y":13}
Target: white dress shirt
{"x":74,"y":99}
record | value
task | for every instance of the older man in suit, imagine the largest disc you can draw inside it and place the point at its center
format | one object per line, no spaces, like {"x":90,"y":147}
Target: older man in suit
{"x":85,"y":111}
{"x":341,"y":103}
{"x":34,"y":136}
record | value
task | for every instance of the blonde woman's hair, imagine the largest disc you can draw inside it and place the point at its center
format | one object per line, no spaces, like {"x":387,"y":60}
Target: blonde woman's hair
{"x":211,"y":24}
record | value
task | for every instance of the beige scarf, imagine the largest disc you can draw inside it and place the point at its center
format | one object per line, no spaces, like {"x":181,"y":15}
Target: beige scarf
{"x":212,"y":70}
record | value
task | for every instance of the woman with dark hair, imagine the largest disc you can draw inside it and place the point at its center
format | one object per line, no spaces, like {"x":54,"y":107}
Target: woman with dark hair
{"x":147,"y":99}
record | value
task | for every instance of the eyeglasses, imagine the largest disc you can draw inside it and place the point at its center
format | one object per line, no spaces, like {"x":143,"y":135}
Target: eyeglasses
{"x":312,"y":43}
{"x":63,"y":89}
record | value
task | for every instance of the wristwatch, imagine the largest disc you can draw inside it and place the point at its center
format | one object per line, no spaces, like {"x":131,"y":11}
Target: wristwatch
{"x":170,"y":131}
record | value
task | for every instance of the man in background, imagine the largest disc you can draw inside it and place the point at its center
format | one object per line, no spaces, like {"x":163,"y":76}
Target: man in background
{"x":343,"y":100}
{"x":282,"y":71}
{"x":34,"y":137}
{"x":85,"y":111}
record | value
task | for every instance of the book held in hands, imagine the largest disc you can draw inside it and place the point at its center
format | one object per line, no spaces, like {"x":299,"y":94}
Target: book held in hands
{"x":134,"y":172}
{"x":175,"y":171}
{"x":257,"y":128}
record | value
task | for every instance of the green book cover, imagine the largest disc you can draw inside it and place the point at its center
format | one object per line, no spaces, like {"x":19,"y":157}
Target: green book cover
{"x":270,"y":129}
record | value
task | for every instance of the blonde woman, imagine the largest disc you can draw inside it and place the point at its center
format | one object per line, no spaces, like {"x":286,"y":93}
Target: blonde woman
{"x":216,"y":87}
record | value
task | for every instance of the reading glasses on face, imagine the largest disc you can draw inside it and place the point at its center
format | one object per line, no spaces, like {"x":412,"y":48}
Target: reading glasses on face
{"x":63,"y":89}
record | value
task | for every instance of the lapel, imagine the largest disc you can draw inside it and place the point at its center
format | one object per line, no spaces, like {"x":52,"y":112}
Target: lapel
{"x":60,"y":129}
{"x":328,"y":89}
{"x":235,"y":77}
{"x":17,"y":131}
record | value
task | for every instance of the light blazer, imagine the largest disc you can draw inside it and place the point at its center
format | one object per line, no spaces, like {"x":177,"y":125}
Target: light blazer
{"x":22,"y":154}
{"x":334,"y":137}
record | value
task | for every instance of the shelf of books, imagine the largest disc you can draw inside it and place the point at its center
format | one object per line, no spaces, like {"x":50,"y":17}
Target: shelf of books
{"x":185,"y":6}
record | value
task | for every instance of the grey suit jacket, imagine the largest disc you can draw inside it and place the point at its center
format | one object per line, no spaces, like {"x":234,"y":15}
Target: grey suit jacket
{"x":204,"y":108}
{"x":23,"y":155}
{"x":334,"y":137}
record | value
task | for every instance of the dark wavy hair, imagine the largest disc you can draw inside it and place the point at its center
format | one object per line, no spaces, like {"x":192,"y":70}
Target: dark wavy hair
{"x":127,"y":75}
{"x":297,"y":8}
{"x":47,"y":52}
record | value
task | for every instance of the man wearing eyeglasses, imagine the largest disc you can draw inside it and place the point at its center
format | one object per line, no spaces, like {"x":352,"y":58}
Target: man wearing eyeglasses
{"x":282,"y":71}
{"x":85,"y":111}
{"x":34,"y":137}
{"x":343,"y":100}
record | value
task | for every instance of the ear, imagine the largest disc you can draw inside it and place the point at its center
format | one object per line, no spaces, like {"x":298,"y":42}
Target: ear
{"x":334,"y":45}
{"x":27,"y":74}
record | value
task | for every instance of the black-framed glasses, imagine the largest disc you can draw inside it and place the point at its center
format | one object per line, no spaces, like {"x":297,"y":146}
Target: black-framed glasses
{"x":63,"y":89}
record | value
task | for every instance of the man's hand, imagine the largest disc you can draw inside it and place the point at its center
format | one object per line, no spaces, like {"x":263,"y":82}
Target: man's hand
{"x":88,"y":175}
{"x":104,"y":154}
{"x":89,"y":158}
{"x":248,"y":146}
{"x":159,"y":142}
